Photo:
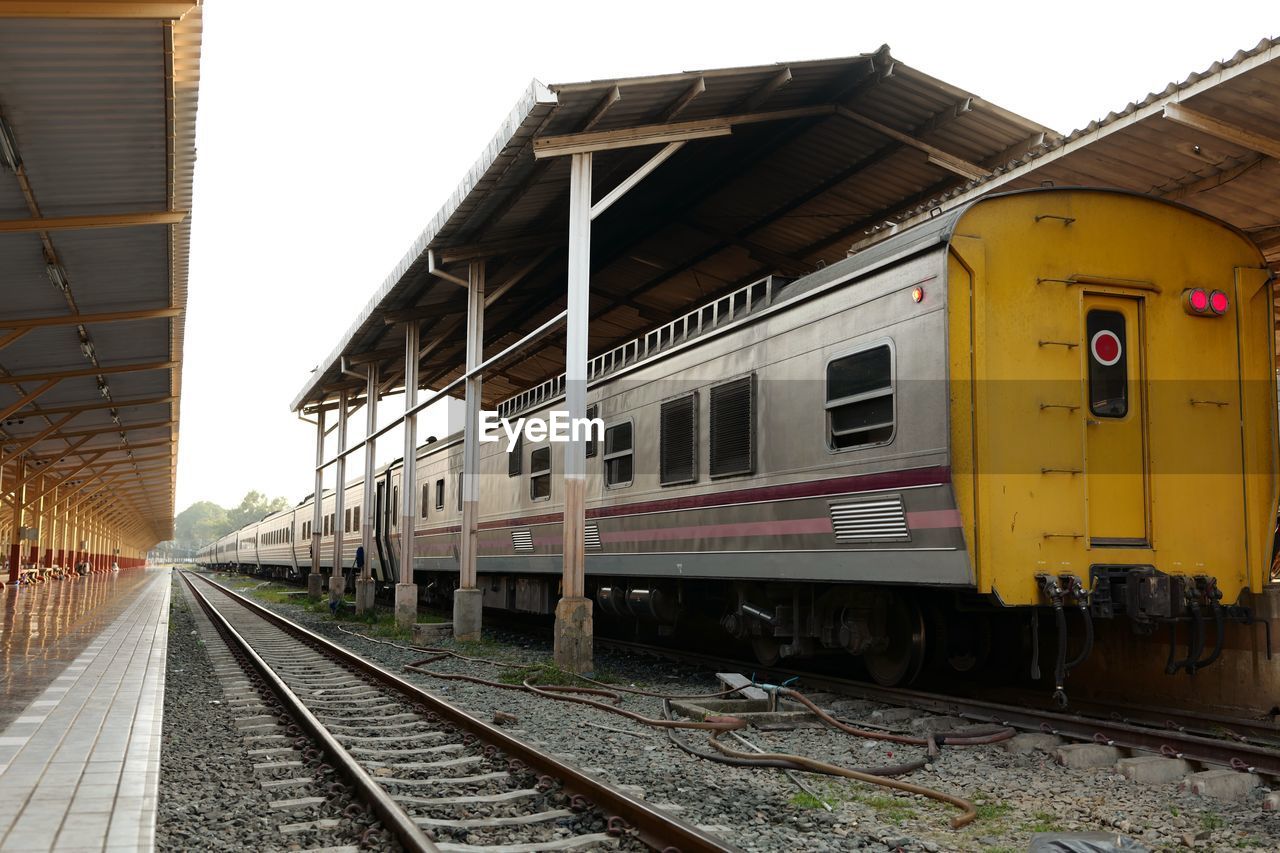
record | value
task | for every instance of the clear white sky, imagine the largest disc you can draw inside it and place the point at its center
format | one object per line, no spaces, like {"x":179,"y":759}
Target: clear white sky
{"x":330,"y":133}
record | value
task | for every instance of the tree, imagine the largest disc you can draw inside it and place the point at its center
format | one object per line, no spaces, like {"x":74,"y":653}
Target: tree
{"x":254,"y":507}
{"x":200,"y":523}
{"x":205,"y":521}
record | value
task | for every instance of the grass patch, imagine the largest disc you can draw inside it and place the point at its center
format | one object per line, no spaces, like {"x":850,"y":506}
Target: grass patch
{"x":992,"y":811}
{"x":805,"y":800}
{"x":891,"y":809}
{"x":1043,"y":822}
{"x":1211,"y":821}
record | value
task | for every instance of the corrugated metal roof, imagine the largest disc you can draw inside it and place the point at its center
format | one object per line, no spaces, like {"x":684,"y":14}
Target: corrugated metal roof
{"x":1232,"y":174}
{"x":1137,"y":148}
{"x":778,"y":195}
{"x":103,"y":114}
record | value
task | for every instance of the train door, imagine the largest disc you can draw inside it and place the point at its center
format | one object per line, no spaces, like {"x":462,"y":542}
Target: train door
{"x":1116,"y":466}
{"x":382,"y":529}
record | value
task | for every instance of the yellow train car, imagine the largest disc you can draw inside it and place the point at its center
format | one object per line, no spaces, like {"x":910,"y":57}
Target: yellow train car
{"x":1113,"y":412}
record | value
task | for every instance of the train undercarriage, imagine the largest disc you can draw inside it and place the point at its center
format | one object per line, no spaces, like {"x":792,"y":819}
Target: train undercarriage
{"x":899,"y":636}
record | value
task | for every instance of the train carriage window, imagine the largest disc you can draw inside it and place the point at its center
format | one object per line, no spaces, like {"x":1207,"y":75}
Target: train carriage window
{"x":440,"y":493}
{"x":732,"y":426}
{"x":1108,"y":364}
{"x":355,"y":519}
{"x":593,"y":412}
{"x":540,"y":474}
{"x":678,"y":441}
{"x":618,"y":458}
{"x":395,"y":506}
{"x":860,"y":410}
{"x":426,"y":493}
{"x":515,"y":456}
{"x":346,"y":521}
{"x":459,"y":485}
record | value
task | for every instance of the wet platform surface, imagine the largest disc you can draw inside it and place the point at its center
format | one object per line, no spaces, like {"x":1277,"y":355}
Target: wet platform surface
{"x":83,"y":673}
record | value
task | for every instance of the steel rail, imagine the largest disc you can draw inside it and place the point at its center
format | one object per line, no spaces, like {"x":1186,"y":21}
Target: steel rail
{"x":1242,"y":756}
{"x":399,"y":822}
{"x":654,"y":827}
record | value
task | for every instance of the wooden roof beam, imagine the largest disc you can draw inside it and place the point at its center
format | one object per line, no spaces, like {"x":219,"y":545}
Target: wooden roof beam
{"x":87,"y":371}
{"x":1225,"y":131}
{"x":108,"y":9}
{"x":766,"y":91}
{"x":936,"y":155}
{"x":103,"y":404}
{"x":100,"y":220}
{"x":680,"y":104}
{"x":25,"y":323}
{"x":609,"y":98}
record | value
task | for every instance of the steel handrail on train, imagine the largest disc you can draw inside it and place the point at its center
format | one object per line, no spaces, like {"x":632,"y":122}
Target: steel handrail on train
{"x":654,"y":827}
{"x":399,"y":822}
{"x":1255,"y":758}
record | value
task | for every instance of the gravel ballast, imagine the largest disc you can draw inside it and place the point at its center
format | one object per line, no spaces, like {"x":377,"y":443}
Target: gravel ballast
{"x":1018,"y":795}
{"x":211,"y":796}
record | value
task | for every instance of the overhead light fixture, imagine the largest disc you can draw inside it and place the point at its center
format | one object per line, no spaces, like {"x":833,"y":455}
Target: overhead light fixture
{"x":86,"y":347}
{"x":103,"y":388}
{"x":57,"y":275}
{"x":8,"y":147}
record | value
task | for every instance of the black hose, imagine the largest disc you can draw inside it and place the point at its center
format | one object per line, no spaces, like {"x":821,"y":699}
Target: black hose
{"x":1088,"y":638}
{"x":1060,"y":663}
{"x":1220,"y":631}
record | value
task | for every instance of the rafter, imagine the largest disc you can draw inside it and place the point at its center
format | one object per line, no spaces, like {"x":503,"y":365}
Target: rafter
{"x":98,"y":220}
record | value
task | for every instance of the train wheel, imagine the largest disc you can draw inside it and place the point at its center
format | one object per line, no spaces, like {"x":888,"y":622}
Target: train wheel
{"x":899,"y":662}
{"x":766,"y":650}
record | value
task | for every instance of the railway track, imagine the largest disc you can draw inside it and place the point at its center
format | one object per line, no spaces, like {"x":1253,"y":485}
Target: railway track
{"x":1242,"y":745}
{"x":436,"y":777}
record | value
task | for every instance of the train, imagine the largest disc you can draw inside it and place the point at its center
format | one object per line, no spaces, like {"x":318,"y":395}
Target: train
{"x":1049,"y":408}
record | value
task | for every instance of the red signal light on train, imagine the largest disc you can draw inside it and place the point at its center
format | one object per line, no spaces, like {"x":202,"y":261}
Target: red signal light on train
{"x":1195,"y":301}
{"x":1218,"y":302}
{"x":917,"y":295}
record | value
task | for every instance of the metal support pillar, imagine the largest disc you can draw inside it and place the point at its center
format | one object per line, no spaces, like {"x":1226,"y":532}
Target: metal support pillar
{"x":53,"y":529}
{"x":573,"y":648}
{"x":15,"y":546}
{"x":337,"y":580}
{"x":468,"y":601}
{"x":365,"y":586}
{"x":406,"y":589}
{"x":313,"y":579}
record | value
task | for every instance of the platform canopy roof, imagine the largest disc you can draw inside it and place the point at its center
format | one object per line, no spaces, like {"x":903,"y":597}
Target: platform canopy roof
{"x":97,"y":149}
{"x":797,"y":161}
{"x":1211,"y":141}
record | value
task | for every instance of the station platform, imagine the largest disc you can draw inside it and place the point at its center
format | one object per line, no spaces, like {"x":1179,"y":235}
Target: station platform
{"x":81,"y":711}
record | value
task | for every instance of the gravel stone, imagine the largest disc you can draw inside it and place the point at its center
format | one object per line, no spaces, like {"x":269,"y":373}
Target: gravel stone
{"x":1019,"y":794}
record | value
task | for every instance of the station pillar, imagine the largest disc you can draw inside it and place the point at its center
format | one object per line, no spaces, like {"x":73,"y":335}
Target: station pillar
{"x":573,"y":647}
{"x":365,"y":586}
{"x":406,"y":589}
{"x":341,"y":527}
{"x":314,"y":583}
{"x":468,"y":601}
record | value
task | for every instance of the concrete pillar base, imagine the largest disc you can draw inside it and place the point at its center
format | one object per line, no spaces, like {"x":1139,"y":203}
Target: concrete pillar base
{"x":406,"y":604}
{"x":365,"y":590}
{"x":337,"y":587}
{"x":468,"y":607}
{"x":574,"y":632}
{"x":314,"y":585}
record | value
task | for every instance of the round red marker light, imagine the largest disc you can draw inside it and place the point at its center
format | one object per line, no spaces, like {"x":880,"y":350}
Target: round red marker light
{"x":917,"y":295}
{"x":1218,"y":302}
{"x":1198,"y":299}
{"x":1106,"y":348}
